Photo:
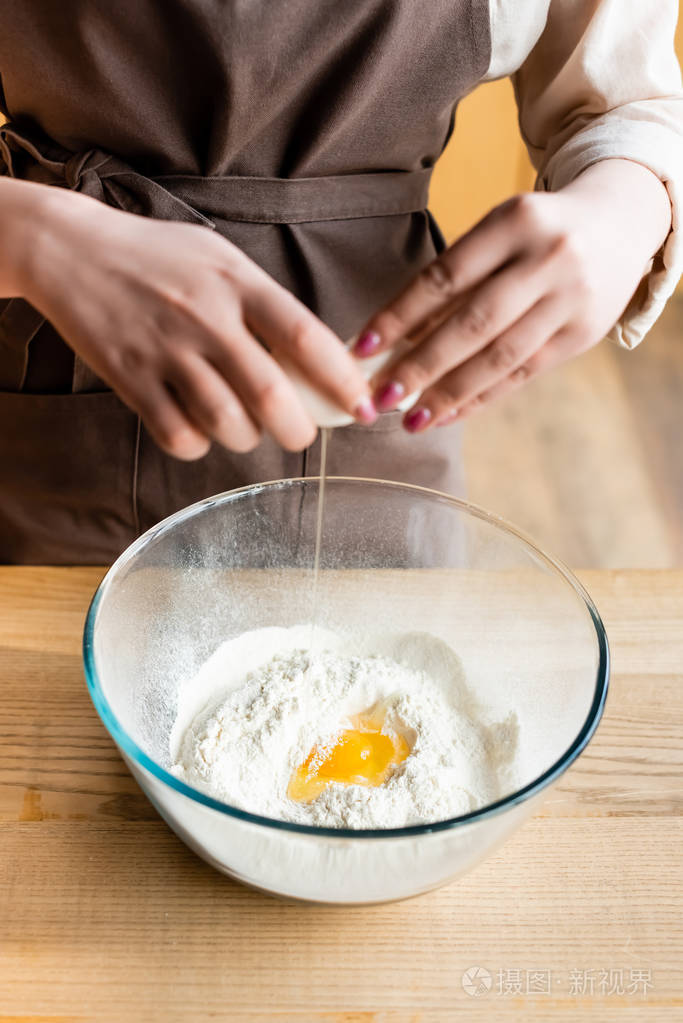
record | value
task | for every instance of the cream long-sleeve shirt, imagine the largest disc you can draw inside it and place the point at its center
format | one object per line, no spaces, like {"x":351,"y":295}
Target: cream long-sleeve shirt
{"x":596,"y":80}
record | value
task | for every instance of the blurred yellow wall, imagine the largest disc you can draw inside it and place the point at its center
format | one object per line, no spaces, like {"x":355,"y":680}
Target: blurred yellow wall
{"x":485,"y":162}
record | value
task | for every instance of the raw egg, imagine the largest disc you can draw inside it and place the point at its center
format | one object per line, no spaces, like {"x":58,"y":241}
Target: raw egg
{"x":364,"y":754}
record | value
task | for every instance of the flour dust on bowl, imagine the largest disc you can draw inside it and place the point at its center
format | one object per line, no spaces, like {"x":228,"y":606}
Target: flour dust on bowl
{"x":369,"y":748}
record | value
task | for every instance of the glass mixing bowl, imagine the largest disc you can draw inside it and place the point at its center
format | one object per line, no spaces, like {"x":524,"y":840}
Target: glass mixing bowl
{"x":402,"y":557}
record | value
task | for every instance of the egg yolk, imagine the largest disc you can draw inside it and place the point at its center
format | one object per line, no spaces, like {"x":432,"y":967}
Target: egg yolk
{"x":363,"y":754}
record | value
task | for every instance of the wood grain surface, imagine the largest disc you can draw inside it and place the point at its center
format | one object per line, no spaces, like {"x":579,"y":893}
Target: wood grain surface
{"x":105,"y":915}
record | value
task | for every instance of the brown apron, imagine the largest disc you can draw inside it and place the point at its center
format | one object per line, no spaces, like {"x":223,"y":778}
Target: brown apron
{"x":305,"y":132}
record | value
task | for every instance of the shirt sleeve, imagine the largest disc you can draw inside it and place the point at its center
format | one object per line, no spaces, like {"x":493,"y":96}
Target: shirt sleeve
{"x":602,"y":81}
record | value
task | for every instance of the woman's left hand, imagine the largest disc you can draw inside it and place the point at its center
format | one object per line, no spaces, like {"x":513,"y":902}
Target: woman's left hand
{"x":540,"y":279}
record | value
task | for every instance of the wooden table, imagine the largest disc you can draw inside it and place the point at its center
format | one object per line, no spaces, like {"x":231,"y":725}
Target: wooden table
{"x":105,"y":915}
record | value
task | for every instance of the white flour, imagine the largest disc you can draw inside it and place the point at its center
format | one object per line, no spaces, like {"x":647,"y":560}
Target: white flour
{"x":256,"y":708}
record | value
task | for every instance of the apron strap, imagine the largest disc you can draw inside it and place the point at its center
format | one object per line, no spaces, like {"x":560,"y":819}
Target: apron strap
{"x":29,"y":154}
{"x":19,"y":323}
{"x":303,"y":200}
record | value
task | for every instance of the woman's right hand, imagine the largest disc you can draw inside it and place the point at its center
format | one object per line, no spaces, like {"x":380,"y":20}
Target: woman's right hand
{"x":168,"y":315}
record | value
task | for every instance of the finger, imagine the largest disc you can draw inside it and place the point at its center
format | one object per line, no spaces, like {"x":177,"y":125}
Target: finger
{"x":164,"y":420}
{"x":264,"y":389}
{"x":493,"y":363}
{"x":561,"y":347}
{"x":210,"y":403}
{"x":492,"y":308}
{"x":480,"y":252}
{"x":291,"y":329}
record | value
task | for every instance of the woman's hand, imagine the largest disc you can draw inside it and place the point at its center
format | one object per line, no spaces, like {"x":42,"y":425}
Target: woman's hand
{"x":168,"y":315}
{"x":540,"y":279}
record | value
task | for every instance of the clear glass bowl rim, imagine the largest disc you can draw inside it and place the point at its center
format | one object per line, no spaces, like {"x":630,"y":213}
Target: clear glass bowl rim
{"x":130,"y":747}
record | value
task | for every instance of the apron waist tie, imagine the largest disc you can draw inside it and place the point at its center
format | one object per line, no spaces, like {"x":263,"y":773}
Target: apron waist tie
{"x":31,"y":155}
{"x":228,"y":197}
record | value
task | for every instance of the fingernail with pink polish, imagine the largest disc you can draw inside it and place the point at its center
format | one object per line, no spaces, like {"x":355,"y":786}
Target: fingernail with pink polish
{"x":417,"y":419}
{"x":365,"y":411}
{"x":389,"y":395}
{"x":367,"y":343}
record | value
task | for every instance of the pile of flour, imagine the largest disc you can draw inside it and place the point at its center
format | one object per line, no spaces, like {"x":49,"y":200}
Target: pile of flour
{"x":263,"y":700}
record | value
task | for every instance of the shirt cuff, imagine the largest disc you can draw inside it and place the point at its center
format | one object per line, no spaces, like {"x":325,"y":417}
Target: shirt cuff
{"x":660,"y":150}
